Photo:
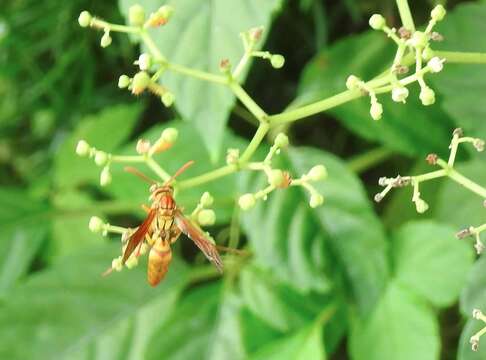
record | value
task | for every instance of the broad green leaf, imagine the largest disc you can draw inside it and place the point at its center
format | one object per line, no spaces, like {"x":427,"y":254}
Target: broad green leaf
{"x":423,"y":252}
{"x":308,"y":247}
{"x":24,"y":224}
{"x":305,"y":344}
{"x":60,"y":311}
{"x":106,"y":131}
{"x":199,"y":35}
{"x":408,"y":128}
{"x":401,"y":327}
{"x":465,"y":351}
{"x":463,"y":86}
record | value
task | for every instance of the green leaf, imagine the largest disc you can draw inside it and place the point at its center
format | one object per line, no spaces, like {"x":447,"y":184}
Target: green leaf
{"x":61,"y":311}
{"x":305,"y":344}
{"x":106,"y":131}
{"x":199,"y":35}
{"x":402,"y":126}
{"x":24,"y":225}
{"x":462,"y":86}
{"x":423,"y":252}
{"x":401,"y":327}
{"x":308,"y":247}
{"x":465,"y":351}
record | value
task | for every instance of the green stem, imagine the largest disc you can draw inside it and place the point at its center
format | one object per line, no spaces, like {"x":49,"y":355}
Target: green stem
{"x":255,"y":142}
{"x":467,"y":183}
{"x":98,"y":23}
{"x":154,"y":50}
{"x":157,"y":169}
{"x":210,"y":176}
{"x":461,"y":57}
{"x":128,"y":158}
{"x":369,"y":159}
{"x":250,"y":104}
{"x":431,"y":175}
{"x":202,"y":75}
{"x":405,"y":15}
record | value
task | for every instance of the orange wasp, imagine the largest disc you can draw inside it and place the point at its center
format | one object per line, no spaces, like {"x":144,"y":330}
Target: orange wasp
{"x":162,"y":227}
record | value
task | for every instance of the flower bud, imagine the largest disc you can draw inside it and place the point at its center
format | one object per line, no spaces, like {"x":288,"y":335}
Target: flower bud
{"x":435,"y":64}
{"x":316,"y":200}
{"x":317,"y":173}
{"x":95,"y":224}
{"x":376,"y":110}
{"x":206,"y":217}
{"x":282,"y":140}
{"x":276,"y":177}
{"x":167,"y":98}
{"x":277,"y":61}
{"x":140,"y":82}
{"x":428,"y":53}
{"x":421,"y":206}
{"x":105,"y":176}
{"x":143,"y":146}
{"x":116,"y":264}
{"x":169,"y":135}
{"x":84,"y":19}
{"x":427,"y":96}
{"x":399,"y":94}
{"x":352,"y":82}
{"x":478,"y":144}
{"x":206,"y":199}
{"x":232,"y":156}
{"x":166,"y":11}
{"x":438,"y":13}
{"x":123,"y":81}
{"x":247,"y":201}
{"x":101,"y":158}
{"x":136,"y":15}
{"x":377,"y":22}
{"x":419,"y":39}
{"x":82,"y":148}
{"x":132,"y":262}
{"x":144,"y":61}
{"x":105,"y":39}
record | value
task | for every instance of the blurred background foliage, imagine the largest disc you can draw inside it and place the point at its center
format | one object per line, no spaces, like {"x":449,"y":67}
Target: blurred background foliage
{"x":351,"y":279}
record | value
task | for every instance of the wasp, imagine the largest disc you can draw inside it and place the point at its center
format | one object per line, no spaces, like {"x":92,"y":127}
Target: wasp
{"x":162,"y":227}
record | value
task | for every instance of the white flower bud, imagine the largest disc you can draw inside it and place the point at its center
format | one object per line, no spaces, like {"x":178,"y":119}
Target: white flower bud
{"x":317,"y":173}
{"x":144,"y":61}
{"x":277,"y":61}
{"x":247,"y":201}
{"x":140,"y":82}
{"x":123,"y":81}
{"x":84,"y":19}
{"x":206,"y":217}
{"x":399,"y":94}
{"x":101,"y":158}
{"x":206,"y":199}
{"x":276,"y":177}
{"x":438,"y":13}
{"x":376,"y":110}
{"x":136,"y":15}
{"x":82,"y":148}
{"x":478,"y":144}
{"x":421,"y":206}
{"x":95,"y":224}
{"x":377,"y":22}
{"x":169,"y":135}
{"x":352,"y":82}
{"x":282,"y":140}
{"x":105,"y":176}
{"x":132,"y":261}
{"x":316,"y":200}
{"x":116,"y":264}
{"x":427,"y":96}
{"x":167,"y":98}
{"x":105,"y":39}
{"x":419,"y":39}
{"x":435,"y":64}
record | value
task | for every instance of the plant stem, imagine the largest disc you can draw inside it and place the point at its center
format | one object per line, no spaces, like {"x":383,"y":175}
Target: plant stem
{"x":462,"y":57}
{"x":405,"y":15}
{"x":210,"y":176}
{"x":202,"y":75}
{"x":157,"y":169}
{"x":246,"y":99}
{"x":255,"y":142}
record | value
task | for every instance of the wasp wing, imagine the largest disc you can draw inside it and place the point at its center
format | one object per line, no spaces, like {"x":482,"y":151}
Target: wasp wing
{"x":138,"y":235}
{"x":199,"y":238}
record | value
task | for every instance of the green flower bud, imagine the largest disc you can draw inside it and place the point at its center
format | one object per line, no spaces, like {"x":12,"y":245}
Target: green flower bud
{"x":105,"y":176}
{"x":105,"y":40}
{"x":428,"y":53}
{"x":167,"y":98}
{"x":206,"y":217}
{"x":169,"y":135}
{"x":144,"y":61}
{"x":123,"y":81}
{"x":206,"y":199}
{"x":96,"y":225}
{"x":317,"y":173}
{"x":478,"y":144}
{"x":136,"y":15}
{"x":247,"y":201}
{"x":101,"y":158}
{"x":419,"y":39}
{"x":282,"y":140}
{"x":277,"y":61}
{"x":377,"y":22}
{"x":376,"y":110}
{"x":84,"y":19}
{"x":140,"y":82}
{"x":421,"y":206}
{"x":276,"y":177}
{"x":427,"y":96}
{"x":352,"y":82}
{"x":82,"y":148}
{"x":399,"y":94}
{"x":438,"y":13}
{"x":116,"y":264}
{"x":316,"y":200}
{"x":166,"y":12}
{"x":131,"y":262}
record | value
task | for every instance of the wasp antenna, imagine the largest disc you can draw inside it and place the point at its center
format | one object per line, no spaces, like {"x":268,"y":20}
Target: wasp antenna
{"x":180,"y":171}
{"x":141,"y":175}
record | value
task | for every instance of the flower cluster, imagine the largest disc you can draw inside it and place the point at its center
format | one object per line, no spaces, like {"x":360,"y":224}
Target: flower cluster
{"x":474,"y":340}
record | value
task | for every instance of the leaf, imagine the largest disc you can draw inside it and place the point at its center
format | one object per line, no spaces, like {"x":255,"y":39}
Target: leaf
{"x":465,"y":351}
{"x":423,"y":252}
{"x":24,"y":226}
{"x":410,"y":128}
{"x":401,"y":327}
{"x":106,"y":131}
{"x":462,"y":86}
{"x":305,"y":344}
{"x":199,"y":35}
{"x":308,"y":247}
{"x":61,"y":311}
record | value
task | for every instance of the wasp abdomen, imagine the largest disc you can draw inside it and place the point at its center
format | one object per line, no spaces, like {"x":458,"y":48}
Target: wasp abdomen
{"x":159,"y":259}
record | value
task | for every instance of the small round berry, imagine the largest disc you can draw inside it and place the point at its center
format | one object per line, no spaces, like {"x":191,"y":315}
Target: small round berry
{"x":140,"y":82}
{"x":123,"y":81}
{"x":419,"y":39}
{"x":277,"y":61}
{"x":276,"y":177}
{"x":317,"y":173}
{"x":101,"y":158}
{"x":400,"y":94}
{"x":82,"y":148}
{"x":421,"y":206}
{"x":316,"y":200}
{"x":95,"y":224}
{"x":352,"y":82}
{"x":105,"y":176}
{"x":84,"y":19}
{"x":206,"y":199}
{"x":105,"y":40}
{"x":438,"y":13}
{"x":377,"y":22}
{"x":247,"y":201}
{"x":167,"y":98}
{"x":136,"y":15}
{"x":435,"y":64}
{"x":376,"y":111}
{"x":169,"y":135}
{"x":282,"y":140}
{"x":144,"y":61}
{"x":206,"y":217}
{"x":427,"y":96}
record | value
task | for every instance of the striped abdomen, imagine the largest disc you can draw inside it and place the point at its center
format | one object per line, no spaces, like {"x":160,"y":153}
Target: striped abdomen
{"x":159,"y":259}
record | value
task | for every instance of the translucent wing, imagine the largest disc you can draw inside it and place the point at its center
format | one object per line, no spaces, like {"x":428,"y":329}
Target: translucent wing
{"x":138,"y":235}
{"x":202,"y":242}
